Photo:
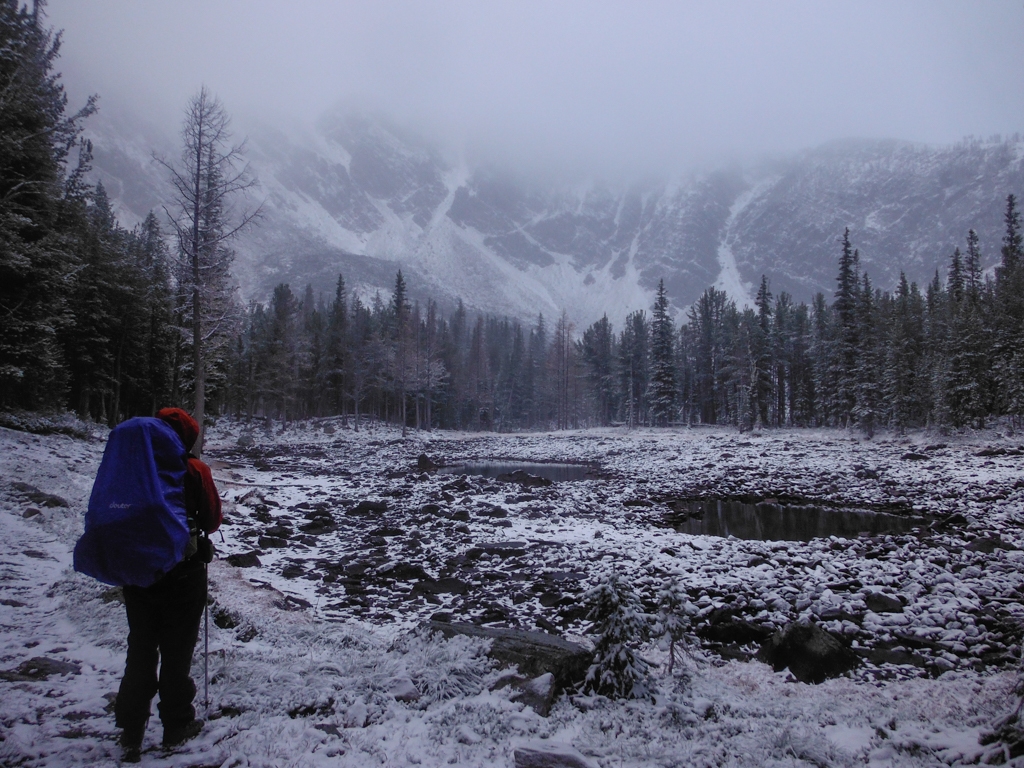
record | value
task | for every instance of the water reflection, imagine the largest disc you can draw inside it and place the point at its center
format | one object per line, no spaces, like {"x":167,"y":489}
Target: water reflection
{"x":556,"y":473}
{"x":775,"y":522}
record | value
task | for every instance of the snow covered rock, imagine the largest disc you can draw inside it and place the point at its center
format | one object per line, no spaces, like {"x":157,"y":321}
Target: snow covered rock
{"x":811,"y":653}
{"x":879,"y":602}
{"x":542,"y":754}
{"x":534,"y":653}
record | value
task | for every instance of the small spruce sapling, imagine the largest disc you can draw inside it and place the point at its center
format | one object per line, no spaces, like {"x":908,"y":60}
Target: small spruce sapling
{"x":672,"y":623}
{"x":618,"y":671}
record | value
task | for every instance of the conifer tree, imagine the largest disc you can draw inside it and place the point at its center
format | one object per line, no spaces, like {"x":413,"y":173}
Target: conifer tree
{"x":37,"y":256}
{"x":662,"y":396}
{"x":617,"y":671}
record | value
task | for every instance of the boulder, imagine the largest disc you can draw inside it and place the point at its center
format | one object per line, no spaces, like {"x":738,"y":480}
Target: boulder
{"x":246,"y":440}
{"x":404,"y":572}
{"x":272,"y":542}
{"x":524,"y":479}
{"x":810,"y":653}
{"x":40,"y":668}
{"x":550,"y":754}
{"x":369,"y":508}
{"x":244,"y":560}
{"x":446,"y":586}
{"x":879,"y":602}
{"x":534,"y":653}
{"x":538,"y":693}
{"x":501,"y":548}
{"x":403,"y":689}
{"x":424,"y":463}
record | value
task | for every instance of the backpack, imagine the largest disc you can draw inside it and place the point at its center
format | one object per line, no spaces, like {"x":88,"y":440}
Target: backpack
{"x":136,"y":527}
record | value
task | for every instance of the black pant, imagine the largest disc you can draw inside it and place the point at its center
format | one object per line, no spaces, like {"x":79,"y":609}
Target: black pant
{"x":163,"y":624}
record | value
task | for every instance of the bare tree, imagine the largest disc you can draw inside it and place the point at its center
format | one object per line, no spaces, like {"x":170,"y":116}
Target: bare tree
{"x":212,"y":174}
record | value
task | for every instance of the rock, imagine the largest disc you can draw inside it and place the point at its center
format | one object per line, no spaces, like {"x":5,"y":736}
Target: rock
{"x":466,"y":735}
{"x":501,"y":548}
{"x":535,"y":653}
{"x":538,"y":693}
{"x":431,"y":509}
{"x":550,"y":754}
{"x":245,"y":440}
{"x":737,"y":631}
{"x":524,"y":479}
{"x":811,"y":653}
{"x":424,"y":464}
{"x":446,"y":586}
{"x":244,"y":560}
{"x":403,"y":689}
{"x":113,"y":595}
{"x":987,"y":545}
{"x":879,"y":602}
{"x":36,"y":496}
{"x":404,"y":572}
{"x":40,"y":668}
{"x":369,"y":508}
{"x":461,"y":516}
{"x":991,"y":452}
{"x":914,"y":456}
{"x":493,"y":512}
{"x":328,"y":429}
{"x":272,"y":542}
{"x":356,"y":715}
{"x":292,"y":571}
{"x":31,"y":512}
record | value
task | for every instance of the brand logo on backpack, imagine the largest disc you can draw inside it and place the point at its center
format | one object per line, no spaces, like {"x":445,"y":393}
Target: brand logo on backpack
{"x":116,"y":505}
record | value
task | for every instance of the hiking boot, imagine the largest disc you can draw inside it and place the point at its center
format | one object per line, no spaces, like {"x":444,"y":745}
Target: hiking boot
{"x":131,"y":743}
{"x":177,"y":735}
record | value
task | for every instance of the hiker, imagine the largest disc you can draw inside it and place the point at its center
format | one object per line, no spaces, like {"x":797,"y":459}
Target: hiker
{"x":164,"y":618}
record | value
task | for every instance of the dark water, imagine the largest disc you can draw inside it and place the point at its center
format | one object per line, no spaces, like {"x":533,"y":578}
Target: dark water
{"x":557,"y":473}
{"x":776,"y":522}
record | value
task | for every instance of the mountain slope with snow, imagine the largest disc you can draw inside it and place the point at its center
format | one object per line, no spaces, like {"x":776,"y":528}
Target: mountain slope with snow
{"x":359,"y":196}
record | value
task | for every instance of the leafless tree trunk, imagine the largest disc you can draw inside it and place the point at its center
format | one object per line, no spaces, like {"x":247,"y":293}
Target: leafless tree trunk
{"x":212,"y":173}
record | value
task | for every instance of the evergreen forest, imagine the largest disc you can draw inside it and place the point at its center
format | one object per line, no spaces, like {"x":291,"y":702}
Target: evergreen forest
{"x":111,"y":323}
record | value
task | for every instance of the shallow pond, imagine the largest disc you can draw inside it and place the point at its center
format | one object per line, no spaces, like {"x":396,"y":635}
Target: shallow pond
{"x":556,"y":473}
{"x":768,"y":521}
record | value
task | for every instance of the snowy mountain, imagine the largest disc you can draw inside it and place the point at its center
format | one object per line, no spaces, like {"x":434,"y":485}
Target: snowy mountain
{"x":359,"y":196}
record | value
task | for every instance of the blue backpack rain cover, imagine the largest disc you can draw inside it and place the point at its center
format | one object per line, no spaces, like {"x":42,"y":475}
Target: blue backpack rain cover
{"x":136,"y":527}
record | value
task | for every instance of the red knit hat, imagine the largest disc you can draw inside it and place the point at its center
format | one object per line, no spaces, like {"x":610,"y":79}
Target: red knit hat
{"x":183,"y":424}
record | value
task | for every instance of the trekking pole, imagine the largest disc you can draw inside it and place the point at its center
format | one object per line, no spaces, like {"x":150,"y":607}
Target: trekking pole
{"x":206,"y":645}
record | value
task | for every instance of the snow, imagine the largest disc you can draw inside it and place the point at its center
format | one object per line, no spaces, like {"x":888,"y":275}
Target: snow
{"x":301,"y":675}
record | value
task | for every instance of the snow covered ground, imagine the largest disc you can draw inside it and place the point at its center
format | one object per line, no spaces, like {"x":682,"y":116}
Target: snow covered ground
{"x":313,"y":655}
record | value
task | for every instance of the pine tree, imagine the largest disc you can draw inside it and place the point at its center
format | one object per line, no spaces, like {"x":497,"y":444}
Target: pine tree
{"x":1008,"y":352}
{"x":634,"y":363}
{"x":845,"y":340}
{"x":672,"y":623}
{"x":662,"y":394}
{"x":761,"y":355}
{"x":598,"y":352}
{"x":617,"y":671}
{"x":37,"y":258}
{"x":869,"y":361}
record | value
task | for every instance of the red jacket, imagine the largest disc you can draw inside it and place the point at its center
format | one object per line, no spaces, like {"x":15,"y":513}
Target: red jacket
{"x":201,"y":497}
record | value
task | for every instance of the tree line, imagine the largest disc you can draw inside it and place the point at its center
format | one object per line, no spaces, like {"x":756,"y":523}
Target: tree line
{"x":950,"y":355}
{"x":112,"y":322}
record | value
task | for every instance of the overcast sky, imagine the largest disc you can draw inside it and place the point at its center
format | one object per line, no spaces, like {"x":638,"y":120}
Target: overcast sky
{"x":635,"y":86}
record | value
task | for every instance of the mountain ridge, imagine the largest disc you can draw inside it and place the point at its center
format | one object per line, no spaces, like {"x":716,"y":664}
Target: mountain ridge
{"x":358,"y":196}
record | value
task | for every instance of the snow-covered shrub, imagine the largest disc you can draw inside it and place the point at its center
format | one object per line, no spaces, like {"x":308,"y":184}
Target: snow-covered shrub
{"x":672,"y":624}
{"x":1005,"y":738}
{"x":618,"y":671}
{"x":444,"y":669}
